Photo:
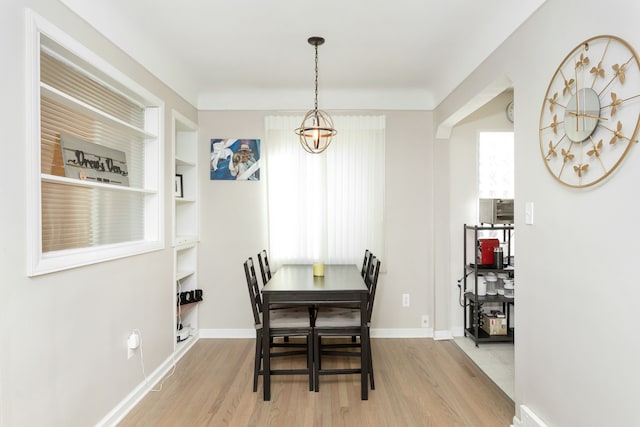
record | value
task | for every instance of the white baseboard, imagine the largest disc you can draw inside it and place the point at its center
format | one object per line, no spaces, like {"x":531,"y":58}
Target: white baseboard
{"x":227,"y":333}
{"x":375,"y":333}
{"x":443,"y":335}
{"x":528,"y":419}
{"x":457,"y":331}
{"x":137,"y":394}
{"x":402,"y":333}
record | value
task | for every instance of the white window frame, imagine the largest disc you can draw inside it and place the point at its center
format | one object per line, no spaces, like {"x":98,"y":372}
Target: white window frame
{"x":43,"y":263}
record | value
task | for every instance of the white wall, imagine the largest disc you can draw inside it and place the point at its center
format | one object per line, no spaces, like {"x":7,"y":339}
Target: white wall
{"x":63,"y":356}
{"x":234,"y":227}
{"x":576,"y":345}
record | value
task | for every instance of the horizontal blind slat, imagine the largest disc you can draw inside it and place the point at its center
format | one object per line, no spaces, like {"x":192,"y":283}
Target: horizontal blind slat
{"x":62,"y":77}
{"x":77,"y":217}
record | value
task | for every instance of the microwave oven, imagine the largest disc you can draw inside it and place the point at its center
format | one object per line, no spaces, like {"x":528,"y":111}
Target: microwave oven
{"x":495,"y":211}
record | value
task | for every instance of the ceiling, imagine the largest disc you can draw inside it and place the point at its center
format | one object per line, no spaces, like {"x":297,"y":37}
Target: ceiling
{"x":253,"y":54}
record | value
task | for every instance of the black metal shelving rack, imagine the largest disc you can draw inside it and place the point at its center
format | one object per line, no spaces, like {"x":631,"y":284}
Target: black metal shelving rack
{"x":472,"y":301}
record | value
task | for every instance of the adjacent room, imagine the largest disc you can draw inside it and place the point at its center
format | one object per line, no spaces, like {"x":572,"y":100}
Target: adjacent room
{"x":207,"y":198}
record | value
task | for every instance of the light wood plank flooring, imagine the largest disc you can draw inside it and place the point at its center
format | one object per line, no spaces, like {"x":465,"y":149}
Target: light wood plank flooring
{"x":419,"y":382}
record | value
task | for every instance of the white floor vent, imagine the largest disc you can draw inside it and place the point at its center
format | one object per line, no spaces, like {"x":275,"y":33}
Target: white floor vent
{"x":528,"y":419}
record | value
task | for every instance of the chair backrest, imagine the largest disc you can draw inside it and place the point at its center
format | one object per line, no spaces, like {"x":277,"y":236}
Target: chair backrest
{"x":371,"y":279}
{"x":254,"y":291}
{"x":365,"y":262}
{"x":264,"y":266}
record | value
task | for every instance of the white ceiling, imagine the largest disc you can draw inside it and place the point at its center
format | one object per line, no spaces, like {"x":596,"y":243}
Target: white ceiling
{"x":253,"y":54}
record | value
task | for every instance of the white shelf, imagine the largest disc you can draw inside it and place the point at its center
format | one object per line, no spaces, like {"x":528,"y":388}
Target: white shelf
{"x":82,"y":107}
{"x":185,"y":200}
{"x":182,"y":162}
{"x":185,"y":242}
{"x":81,"y":183}
{"x":181,"y":274}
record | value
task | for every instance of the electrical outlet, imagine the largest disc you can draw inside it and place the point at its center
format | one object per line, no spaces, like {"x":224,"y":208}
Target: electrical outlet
{"x":425,"y":321}
{"x":405,"y":300}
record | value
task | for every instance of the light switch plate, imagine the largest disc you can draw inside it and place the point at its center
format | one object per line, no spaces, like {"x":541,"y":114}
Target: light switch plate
{"x":528,"y":213}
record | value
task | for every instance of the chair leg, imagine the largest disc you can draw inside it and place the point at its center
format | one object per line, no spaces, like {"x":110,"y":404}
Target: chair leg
{"x":310,"y":354}
{"x":257,"y":363}
{"x":316,"y":359}
{"x":373,"y":384}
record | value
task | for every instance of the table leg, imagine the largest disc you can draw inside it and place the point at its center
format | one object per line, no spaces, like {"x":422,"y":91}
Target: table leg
{"x":364,"y":350}
{"x":266,"y":350}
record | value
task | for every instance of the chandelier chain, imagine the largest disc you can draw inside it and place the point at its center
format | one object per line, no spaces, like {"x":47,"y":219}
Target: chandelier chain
{"x":316,"y":101}
{"x":316,"y":131}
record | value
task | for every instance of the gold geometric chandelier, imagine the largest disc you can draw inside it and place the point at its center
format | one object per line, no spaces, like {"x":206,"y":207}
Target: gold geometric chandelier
{"x":316,"y":131}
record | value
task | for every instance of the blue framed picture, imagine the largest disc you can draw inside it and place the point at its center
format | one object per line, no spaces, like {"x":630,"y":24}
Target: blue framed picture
{"x":235,"y":159}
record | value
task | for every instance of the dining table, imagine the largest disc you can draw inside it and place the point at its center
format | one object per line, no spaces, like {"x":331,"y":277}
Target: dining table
{"x":296,"y":284}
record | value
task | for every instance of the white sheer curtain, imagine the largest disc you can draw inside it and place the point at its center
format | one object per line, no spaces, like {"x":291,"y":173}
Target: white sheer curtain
{"x":327,"y":207}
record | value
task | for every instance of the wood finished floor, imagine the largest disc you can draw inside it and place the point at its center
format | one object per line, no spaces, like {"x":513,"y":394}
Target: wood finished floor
{"x":419,"y":382}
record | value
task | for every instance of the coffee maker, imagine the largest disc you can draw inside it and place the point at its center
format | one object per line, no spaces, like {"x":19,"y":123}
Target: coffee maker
{"x":485,"y":251}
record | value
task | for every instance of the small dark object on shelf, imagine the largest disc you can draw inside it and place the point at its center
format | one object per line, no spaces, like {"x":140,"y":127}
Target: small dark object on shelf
{"x":188,"y":297}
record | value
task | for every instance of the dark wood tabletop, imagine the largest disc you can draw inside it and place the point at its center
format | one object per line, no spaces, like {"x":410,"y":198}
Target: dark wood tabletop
{"x":295,"y":281}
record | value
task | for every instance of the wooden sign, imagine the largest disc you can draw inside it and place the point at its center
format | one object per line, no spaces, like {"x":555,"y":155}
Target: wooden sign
{"x":85,"y":160}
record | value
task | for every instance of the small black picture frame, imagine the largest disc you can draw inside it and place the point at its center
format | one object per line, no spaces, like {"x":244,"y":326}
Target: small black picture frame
{"x":178,"y":190}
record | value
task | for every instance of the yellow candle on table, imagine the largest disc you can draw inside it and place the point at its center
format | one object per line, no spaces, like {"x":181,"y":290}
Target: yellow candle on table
{"x":318,"y":269}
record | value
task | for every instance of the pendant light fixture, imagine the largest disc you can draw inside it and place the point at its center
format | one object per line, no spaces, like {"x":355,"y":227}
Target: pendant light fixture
{"x":316,"y":131}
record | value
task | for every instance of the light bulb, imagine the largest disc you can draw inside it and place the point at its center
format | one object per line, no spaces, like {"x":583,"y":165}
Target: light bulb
{"x":316,"y":138}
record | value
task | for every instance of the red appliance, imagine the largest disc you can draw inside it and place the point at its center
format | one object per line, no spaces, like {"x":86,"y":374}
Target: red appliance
{"x":485,"y":250}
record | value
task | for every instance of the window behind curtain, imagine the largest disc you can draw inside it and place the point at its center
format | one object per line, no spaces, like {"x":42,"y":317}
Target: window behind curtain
{"x":495,"y":165}
{"x":496,"y":171}
{"x":327,"y":207}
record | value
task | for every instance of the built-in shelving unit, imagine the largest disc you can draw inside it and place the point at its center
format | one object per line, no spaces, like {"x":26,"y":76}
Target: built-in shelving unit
{"x":185,"y":231}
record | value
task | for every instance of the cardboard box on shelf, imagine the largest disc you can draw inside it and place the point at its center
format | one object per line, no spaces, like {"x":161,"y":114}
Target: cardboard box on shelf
{"x":494,"y":325}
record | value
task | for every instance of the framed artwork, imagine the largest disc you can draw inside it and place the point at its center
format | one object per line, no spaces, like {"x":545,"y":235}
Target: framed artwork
{"x":235,"y":159}
{"x":178,"y":190}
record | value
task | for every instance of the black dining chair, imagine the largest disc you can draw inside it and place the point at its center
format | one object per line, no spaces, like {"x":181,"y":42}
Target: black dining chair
{"x":283,"y":323}
{"x":366,"y":262}
{"x":265,"y":269}
{"x":344,"y":322}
